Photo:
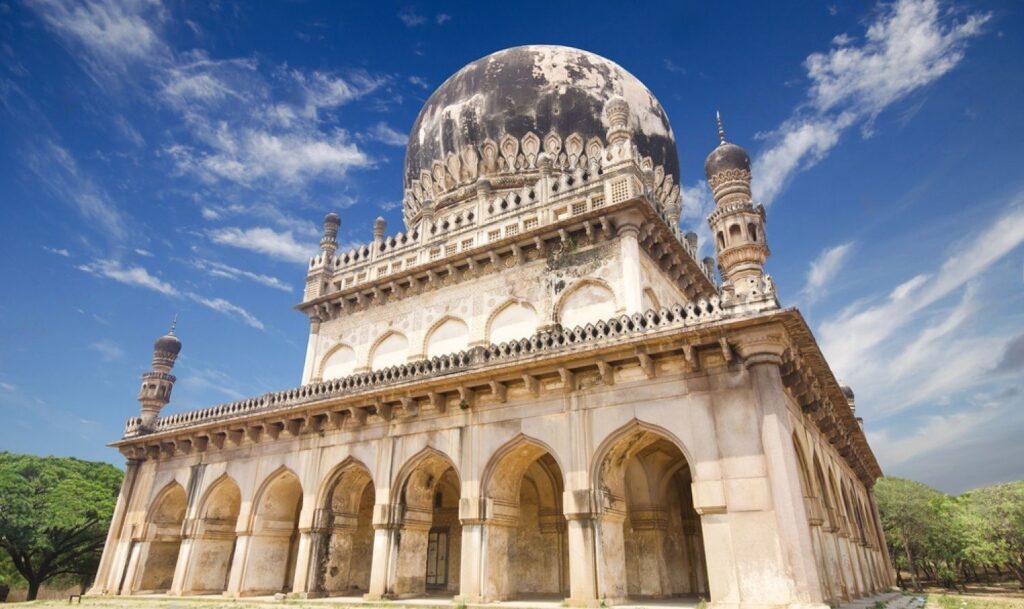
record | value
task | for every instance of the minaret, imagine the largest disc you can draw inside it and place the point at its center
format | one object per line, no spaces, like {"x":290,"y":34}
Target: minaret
{"x":158,"y":382}
{"x":737,"y":224}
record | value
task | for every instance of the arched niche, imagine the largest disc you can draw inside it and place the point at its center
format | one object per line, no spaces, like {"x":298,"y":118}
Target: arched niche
{"x":586,"y":302}
{"x":214,"y":542}
{"x":274,"y":535}
{"x":162,"y":539}
{"x":347,"y":537}
{"x":392,"y":349}
{"x":339,"y":362}
{"x":428,"y":492}
{"x":449,"y":335}
{"x":527,"y":545}
{"x":649,"y":529}
{"x":512,"y":321}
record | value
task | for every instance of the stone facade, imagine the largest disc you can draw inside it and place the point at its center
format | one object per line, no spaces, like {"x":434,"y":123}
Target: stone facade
{"x":535,"y":391}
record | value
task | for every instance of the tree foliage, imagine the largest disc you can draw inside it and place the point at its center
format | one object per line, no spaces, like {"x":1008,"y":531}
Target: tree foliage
{"x":54,"y":514}
{"x":952,"y":540}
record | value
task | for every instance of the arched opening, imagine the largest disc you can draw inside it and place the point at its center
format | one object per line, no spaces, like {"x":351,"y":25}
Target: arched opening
{"x":393,"y":350}
{"x":588,"y":302}
{"x":734,"y":233}
{"x":340,"y":362}
{"x":650,"y":533}
{"x":527,"y":547}
{"x":513,"y":321}
{"x":430,"y":540}
{"x":721,"y":240}
{"x":752,"y":231}
{"x":274,"y":537}
{"x":162,"y":540}
{"x":348,"y":543}
{"x":450,"y":336}
{"x":213,"y":546}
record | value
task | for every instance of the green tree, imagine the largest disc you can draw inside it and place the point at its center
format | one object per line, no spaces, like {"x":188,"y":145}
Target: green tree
{"x":54,"y":514}
{"x":1001,"y":509}
{"x":907,"y":514}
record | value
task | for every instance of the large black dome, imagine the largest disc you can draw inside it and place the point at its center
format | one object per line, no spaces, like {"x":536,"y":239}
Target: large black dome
{"x":536,"y":89}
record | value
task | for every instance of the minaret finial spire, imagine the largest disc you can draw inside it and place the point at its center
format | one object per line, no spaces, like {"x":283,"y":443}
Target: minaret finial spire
{"x":721,"y":129}
{"x":174,"y":324}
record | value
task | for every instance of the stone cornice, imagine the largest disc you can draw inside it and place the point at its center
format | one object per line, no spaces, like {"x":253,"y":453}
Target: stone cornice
{"x":401,"y":391}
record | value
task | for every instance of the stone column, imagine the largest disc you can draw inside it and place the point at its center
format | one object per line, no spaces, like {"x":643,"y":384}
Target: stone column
{"x":238,"y":564}
{"x":582,"y":560}
{"x":306,"y":566}
{"x":181,"y":567}
{"x":761,"y":354}
{"x":887,"y":568}
{"x":312,"y":347}
{"x":106,"y":580}
{"x":629,"y":253}
{"x":385,"y":552}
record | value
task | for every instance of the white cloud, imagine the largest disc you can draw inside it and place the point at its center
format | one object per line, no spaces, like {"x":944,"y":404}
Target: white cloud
{"x":410,"y":17}
{"x":824,"y":269}
{"x":419,"y":82}
{"x":7,"y":386}
{"x":59,"y":251}
{"x":228,"y":308}
{"x":219,"y":269}
{"x":142,"y":252}
{"x":57,"y":170}
{"x":132,"y":275}
{"x":910,"y":44}
{"x":442,"y":18}
{"x":249,"y":155}
{"x":117,"y":30}
{"x":912,"y":346}
{"x":281,"y":245}
{"x":383,"y":133}
{"x":108,"y":350}
{"x":935,"y":433}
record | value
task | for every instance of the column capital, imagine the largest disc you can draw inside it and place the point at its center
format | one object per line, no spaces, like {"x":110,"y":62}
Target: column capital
{"x":386,"y":516}
{"x":764,"y":345}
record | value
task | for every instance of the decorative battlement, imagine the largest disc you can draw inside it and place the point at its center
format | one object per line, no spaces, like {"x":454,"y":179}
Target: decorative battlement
{"x":488,"y":220}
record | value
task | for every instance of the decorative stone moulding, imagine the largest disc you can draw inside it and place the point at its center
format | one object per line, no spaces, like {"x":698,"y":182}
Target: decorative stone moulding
{"x":454,"y":178}
{"x":291,"y":412}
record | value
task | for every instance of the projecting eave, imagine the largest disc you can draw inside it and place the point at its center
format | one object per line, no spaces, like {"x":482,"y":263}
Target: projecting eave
{"x":677,"y":340}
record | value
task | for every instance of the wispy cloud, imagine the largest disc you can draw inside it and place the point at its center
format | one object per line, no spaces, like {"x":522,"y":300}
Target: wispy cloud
{"x":910,"y":44}
{"x":419,"y":82}
{"x":228,"y":308}
{"x":384,"y":134}
{"x":59,"y":251}
{"x":442,"y":18}
{"x":410,"y":17}
{"x":277,"y":244}
{"x":824,"y":269}
{"x":673,"y":67}
{"x":128,"y":275}
{"x":219,"y":269}
{"x":108,"y":350}
{"x":58,"y":171}
{"x":910,"y":346}
{"x":934,"y":433}
{"x":143,"y":253}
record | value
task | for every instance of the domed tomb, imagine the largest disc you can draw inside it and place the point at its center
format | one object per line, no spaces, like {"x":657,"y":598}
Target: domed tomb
{"x":499,"y":113}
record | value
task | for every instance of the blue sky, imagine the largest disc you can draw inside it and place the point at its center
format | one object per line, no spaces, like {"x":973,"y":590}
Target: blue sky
{"x":161,"y":157}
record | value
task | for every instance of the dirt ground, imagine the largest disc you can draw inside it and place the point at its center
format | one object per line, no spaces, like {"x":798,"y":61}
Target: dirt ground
{"x":979,"y":596}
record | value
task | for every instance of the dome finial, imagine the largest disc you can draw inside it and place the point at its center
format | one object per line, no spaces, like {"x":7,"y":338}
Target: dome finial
{"x":721,"y":128}
{"x":174,"y":324}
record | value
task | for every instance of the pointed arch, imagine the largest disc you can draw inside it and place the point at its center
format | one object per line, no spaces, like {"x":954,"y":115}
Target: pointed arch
{"x":424,"y":456}
{"x":214,"y":539}
{"x":224,"y":485}
{"x":511,"y":320}
{"x":338,"y":362}
{"x":165,"y":505}
{"x":635,"y":426}
{"x":450,"y":334}
{"x":274,"y":534}
{"x":282,"y":472}
{"x":588,"y":300}
{"x":509,"y":463}
{"x":334,"y":475}
{"x":390,"y":349}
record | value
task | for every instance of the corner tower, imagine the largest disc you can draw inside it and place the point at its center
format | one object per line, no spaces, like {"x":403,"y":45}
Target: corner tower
{"x":737,"y":224}
{"x":157,"y":384}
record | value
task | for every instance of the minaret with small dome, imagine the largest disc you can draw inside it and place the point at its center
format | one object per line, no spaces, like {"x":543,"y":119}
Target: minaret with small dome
{"x":736,"y":222}
{"x":157,"y":384}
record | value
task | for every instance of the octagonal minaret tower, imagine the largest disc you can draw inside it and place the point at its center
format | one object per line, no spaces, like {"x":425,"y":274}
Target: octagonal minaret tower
{"x":737,"y":224}
{"x":157,"y":384}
